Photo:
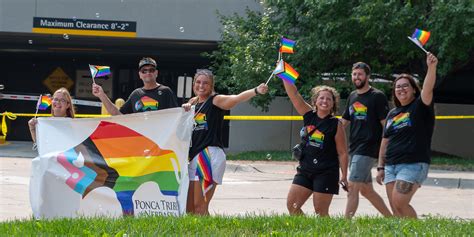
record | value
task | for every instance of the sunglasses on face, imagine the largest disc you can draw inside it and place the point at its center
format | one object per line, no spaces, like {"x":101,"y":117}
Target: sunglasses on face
{"x":149,"y":70}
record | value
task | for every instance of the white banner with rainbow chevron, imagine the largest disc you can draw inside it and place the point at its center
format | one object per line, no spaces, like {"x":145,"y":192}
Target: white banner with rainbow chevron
{"x":121,"y":165}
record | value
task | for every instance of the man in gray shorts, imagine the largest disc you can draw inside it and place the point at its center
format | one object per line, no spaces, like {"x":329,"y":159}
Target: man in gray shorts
{"x":366,"y":110}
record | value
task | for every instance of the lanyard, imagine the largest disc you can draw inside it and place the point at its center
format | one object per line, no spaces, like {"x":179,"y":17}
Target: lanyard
{"x":202,"y":106}
{"x":199,"y":110}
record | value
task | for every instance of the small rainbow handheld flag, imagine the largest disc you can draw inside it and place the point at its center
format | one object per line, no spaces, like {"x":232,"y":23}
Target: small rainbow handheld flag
{"x":420,"y":37}
{"x":99,"y":71}
{"x":43,"y":102}
{"x":286,"y":72}
{"x":287,"y":45}
{"x":204,"y":171}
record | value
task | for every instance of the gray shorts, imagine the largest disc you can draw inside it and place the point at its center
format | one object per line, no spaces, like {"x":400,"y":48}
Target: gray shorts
{"x":218,"y":163}
{"x":360,"y":168}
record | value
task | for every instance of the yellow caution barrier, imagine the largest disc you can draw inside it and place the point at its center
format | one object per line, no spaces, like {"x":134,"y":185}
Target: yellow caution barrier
{"x":237,"y":117}
{"x":5,"y":115}
{"x":296,"y":118}
{"x":13,"y":116}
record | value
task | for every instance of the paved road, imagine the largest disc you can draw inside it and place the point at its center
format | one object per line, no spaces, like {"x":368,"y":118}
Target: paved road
{"x":261,"y":188}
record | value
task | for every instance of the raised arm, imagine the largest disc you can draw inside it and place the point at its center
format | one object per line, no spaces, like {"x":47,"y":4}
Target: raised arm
{"x":109,"y":106}
{"x":430,"y":79}
{"x":342,"y":153}
{"x":227,"y":102}
{"x":296,"y":99}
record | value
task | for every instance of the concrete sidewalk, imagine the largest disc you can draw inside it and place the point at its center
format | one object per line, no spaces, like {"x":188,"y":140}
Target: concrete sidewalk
{"x":18,"y":149}
{"x":252,"y":187}
{"x":261,"y":188}
{"x":437,"y":178}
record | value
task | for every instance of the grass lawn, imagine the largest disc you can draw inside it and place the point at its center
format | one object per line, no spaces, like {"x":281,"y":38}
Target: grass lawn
{"x":283,"y":225}
{"x":438,"y":162}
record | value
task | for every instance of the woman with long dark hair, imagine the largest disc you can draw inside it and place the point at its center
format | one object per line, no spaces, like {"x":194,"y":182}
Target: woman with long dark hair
{"x":404,"y":155}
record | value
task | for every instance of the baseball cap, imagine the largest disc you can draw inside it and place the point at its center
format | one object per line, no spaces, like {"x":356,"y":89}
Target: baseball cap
{"x":146,"y":61}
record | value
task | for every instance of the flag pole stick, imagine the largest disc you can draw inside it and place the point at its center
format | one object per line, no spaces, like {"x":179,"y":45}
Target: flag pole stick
{"x":38,"y":104}
{"x":268,"y":80}
{"x":424,"y":50}
{"x":421,"y":47}
{"x":92,"y":74}
{"x":271,"y":75}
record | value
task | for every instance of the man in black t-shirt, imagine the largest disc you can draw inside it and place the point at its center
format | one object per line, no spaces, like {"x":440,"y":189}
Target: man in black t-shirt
{"x":366,"y":110}
{"x":152,"y":96}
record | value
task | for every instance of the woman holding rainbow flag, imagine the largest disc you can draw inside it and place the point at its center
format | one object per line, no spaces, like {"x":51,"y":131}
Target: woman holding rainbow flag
{"x":324,"y":151}
{"x":405,"y":150}
{"x":61,"y":107}
{"x":207,"y":159}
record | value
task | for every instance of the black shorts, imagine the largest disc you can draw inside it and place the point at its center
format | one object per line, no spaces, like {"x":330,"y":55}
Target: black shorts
{"x":326,"y":181}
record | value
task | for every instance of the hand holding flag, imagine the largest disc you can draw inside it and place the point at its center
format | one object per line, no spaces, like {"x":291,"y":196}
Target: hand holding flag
{"x":99,"y":71}
{"x":420,"y":37}
{"x":286,"y":46}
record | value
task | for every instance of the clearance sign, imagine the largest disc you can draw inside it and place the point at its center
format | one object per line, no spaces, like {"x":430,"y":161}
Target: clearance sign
{"x":61,"y":26}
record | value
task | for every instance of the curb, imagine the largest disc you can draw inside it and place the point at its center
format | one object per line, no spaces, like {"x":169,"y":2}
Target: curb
{"x":465,"y":180}
{"x":452,"y":183}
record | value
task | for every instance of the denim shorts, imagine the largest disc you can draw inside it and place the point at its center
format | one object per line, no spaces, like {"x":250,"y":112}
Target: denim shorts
{"x":360,"y":168}
{"x":411,"y":173}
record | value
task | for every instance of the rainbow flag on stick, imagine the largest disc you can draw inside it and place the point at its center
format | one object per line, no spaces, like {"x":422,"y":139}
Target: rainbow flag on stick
{"x":286,"y":72}
{"x":420,"y":37}
{"x":99,"y":71}
{"x":44,"y":102}
{"x":287,"y":45}
{"x":204,"y":171}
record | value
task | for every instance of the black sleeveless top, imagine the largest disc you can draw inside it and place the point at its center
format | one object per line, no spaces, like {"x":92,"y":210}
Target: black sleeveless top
{"x":320,"y":152}
{"x":208,"y":130}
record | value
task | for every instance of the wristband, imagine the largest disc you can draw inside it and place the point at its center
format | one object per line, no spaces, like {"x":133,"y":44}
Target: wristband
{"x":380,"y":168}
{"x":256,"y":91}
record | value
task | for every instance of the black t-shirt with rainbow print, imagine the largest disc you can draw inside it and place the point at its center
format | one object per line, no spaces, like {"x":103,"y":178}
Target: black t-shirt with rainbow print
{"x":208,"y":130}
{"x":320,"y":152}
{"x":409,"y":129}
{"x":141,"y":100}
{"x":365,"y":112}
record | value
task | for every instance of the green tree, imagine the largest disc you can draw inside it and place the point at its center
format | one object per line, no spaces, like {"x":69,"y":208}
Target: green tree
{"x":333,"y":34}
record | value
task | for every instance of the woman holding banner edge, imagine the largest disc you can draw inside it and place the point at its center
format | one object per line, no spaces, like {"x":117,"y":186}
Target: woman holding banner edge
{"x":404,"y":155}
{"x":325,"y":151}
{"x":207,"y":158}
{"x":61,"y":106}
